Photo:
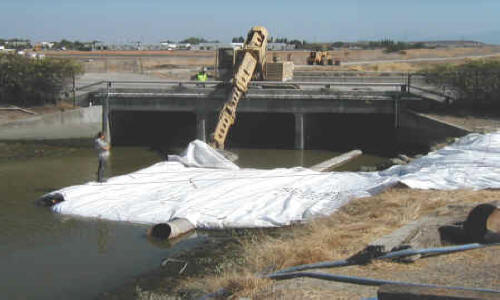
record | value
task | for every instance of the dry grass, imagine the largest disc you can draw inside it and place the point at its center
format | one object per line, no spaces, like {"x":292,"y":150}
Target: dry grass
{"x":339,"y":236}
{"x":138,"y":61}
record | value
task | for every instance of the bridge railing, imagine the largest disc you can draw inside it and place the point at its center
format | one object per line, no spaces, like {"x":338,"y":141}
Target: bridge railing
{"x":278,"y":84}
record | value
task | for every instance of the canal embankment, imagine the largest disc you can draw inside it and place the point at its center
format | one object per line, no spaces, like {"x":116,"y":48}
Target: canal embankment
{"x":83,"y":122}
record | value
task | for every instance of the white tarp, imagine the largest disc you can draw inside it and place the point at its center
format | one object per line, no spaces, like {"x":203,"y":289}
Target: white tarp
{"x":472,"y":162}
{"x":226,"y":196}
{"x":200,"y":155}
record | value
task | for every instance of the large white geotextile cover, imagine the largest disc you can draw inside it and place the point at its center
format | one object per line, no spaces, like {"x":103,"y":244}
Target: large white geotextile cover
{"x":226,"y":196}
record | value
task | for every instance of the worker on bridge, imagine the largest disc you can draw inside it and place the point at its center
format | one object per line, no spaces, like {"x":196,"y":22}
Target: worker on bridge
{"x":202,"y":75}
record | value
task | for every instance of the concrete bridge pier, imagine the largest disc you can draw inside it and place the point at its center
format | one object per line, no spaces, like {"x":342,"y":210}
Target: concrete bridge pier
{"x":201,"y":126}
{"x":397,"y":112}
{"x":299,"y":131}
{"x":105,"y":120}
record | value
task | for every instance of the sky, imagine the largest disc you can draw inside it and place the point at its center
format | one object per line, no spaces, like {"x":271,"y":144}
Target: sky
{"x":152,"y":21}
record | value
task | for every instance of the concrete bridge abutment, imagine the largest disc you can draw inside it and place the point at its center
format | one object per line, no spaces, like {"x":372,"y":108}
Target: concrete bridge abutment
{"x":299,"y":119}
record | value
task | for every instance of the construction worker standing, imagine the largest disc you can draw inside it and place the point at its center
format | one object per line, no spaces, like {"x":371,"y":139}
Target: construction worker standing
{"x":202,"y":75}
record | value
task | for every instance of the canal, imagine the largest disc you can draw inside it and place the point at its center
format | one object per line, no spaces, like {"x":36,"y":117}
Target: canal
{"x":49,"y":256}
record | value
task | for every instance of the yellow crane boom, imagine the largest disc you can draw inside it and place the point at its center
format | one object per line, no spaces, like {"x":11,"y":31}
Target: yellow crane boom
{"x":254,"y":57}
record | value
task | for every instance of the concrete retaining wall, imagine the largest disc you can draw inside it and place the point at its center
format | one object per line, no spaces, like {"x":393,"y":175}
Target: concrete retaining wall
{"x":418,"y":127}
{"x":78,"y":123}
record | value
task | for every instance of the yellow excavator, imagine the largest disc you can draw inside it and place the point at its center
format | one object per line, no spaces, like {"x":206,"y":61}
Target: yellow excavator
{"x":319,"y":58}
{"x":252,"y":64}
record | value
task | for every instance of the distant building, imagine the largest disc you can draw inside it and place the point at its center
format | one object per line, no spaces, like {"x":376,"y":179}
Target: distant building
{"x":186,"y":46}
{"x":171,"y":46}
{"x":47,"y":45}
{"x":5,"y":50}
{"x":214,"y":46}
{"x":168,"y":45}
{"x":280,"y":46}
{"x":18,"y":44}
{"x":210,"y":46}
{"x":237,"y":45}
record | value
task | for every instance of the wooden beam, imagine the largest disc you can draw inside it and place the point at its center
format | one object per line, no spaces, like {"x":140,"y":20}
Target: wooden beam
{"x":336,"y":161}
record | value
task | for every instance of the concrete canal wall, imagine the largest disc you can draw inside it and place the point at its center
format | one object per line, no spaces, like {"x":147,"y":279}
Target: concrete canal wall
{"x":69,"y":124}
{"x":419,"y":127}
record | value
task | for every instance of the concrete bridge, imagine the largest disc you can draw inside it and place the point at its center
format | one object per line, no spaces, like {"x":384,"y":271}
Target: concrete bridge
{"x":284,"y":114}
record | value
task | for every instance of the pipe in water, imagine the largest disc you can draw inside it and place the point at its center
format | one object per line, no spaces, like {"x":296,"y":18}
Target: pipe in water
{"x":171,"y":229}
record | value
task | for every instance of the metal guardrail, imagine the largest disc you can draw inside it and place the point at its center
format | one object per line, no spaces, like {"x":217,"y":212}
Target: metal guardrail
{"x":435,"y":93}
{"x":80,"y":88}
{"x":427,"y":91}
{"x":252,"y":83}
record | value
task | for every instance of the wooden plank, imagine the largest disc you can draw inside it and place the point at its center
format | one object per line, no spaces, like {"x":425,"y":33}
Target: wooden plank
{"x":336,"y":161}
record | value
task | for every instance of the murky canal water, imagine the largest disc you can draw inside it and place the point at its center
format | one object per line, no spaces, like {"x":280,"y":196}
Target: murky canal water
{"x":48,"y":256}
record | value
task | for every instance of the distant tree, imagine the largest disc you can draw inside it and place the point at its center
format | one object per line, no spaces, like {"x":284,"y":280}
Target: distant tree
{"x":26,"y":81}
{"x":419,"y":45}
{"x":281,"y":40}
{"x":194,"y":40}
{"x":238,"y":39}
{"x":298,"y":44}
{"x":338,"y":44}
{"x":69,"y":45}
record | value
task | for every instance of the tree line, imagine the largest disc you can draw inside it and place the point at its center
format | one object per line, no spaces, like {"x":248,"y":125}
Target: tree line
{"x":75,"y":45}
{"x":26,"y":81}
{"x":387,"y":44}
{"x":15,"y":43}
{"x":196,"y":41}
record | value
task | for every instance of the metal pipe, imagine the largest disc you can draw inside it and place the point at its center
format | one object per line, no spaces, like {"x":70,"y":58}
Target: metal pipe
{"x":390,"y":255}
{"x":50,"y":200}
{"x":368,"y":281}
{"x":171,"y":229}
{"x":291,"y":272}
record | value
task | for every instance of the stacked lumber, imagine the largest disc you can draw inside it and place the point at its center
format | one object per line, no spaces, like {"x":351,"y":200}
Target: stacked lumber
{"x":279,"y":71}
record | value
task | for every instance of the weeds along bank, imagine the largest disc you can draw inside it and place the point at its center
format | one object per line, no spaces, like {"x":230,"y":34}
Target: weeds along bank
{"x":474,"y":84}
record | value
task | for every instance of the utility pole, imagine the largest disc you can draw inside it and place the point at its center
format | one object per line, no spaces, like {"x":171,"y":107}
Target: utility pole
{"x":74,"y":89}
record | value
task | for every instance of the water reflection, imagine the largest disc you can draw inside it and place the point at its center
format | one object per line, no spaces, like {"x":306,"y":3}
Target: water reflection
{"x":102,"y":237}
